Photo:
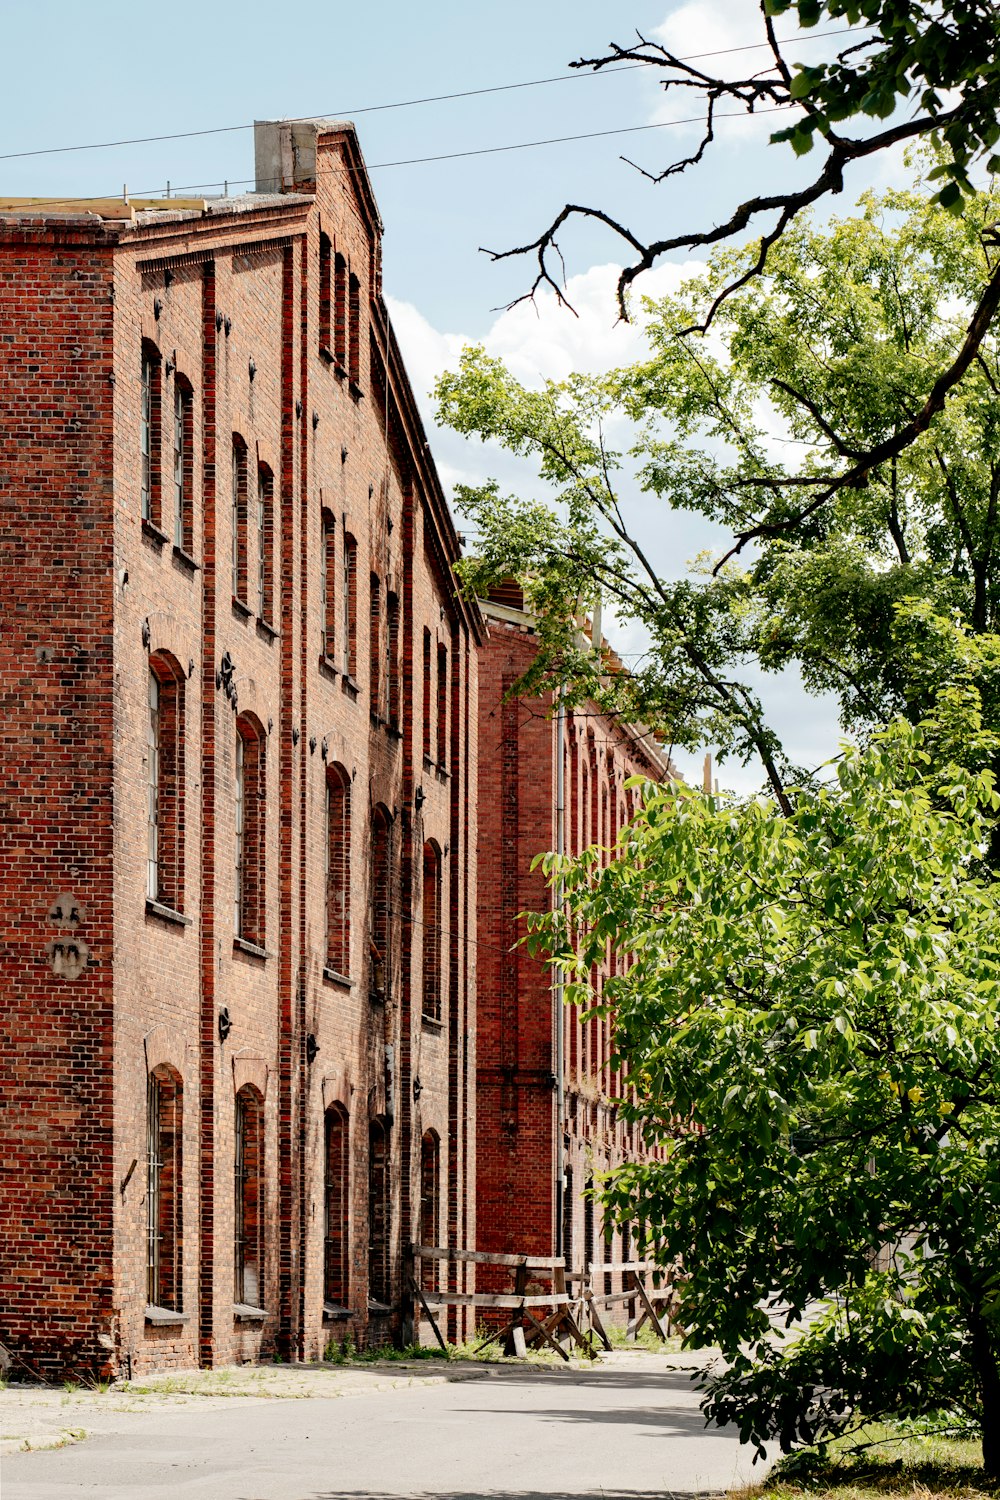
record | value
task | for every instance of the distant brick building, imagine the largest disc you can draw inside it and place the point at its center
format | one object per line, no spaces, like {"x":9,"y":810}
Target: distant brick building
{"x":521,"y":1203}
{"x":238,"y":788}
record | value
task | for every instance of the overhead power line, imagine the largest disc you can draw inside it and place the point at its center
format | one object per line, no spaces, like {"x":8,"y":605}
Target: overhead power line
{"x":411,"y":161}
{"x":367,"y":109}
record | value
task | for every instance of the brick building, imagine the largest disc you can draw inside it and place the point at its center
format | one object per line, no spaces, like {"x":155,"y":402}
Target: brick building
{"x":530,"y":1197}
{"x":238,"y":862}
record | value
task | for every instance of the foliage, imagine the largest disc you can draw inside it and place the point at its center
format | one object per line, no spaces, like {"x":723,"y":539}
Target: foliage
{"x":809,"y":1015}
{"x":825,"y":358}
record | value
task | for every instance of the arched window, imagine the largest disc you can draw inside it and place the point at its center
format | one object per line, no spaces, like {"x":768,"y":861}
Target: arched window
{"x":149,"y":434}
{"x":183,"y":466}
{"x":164,"y":1197}
{"x":349,"y":606}
{"x":432,"y":932}
{"x":428,"y":702}
{"x":391,"y":690}
{"x":325,"y":294}
{"x":248,"y":1199}
{"x":340,"y":312}
{"x":251,"y":824}
{"x":354,"y":330}
{"x":430,"y":1189}
{"x":442,"y":707}
{"x":336,"y":1194}
{"x":165,"y":783}
{"x":338,"y":870}
{"x":375,"y":648}
{"x":328,"y":583}
{"x":379,"y":927}
{"x":265,"y":543}
{"x":379,"y":1284}
{"x":239,"y":519}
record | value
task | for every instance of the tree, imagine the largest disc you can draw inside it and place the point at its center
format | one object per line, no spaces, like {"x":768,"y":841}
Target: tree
{"x":939,"y":60}
{"x":809,"y":1015}
{"x":827,"y":356}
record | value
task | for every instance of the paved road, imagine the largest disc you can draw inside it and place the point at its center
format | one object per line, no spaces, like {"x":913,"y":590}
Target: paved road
{"x":623,"y":1431}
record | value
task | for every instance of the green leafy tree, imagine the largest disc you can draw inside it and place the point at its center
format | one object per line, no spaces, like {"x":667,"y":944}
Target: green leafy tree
{"x":939,"y":61}
{"x":809,"y":1015}
{"x":829,"y":357}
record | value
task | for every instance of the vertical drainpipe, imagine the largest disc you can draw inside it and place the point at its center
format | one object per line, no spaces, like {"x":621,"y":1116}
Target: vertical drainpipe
{"x":557,"y":984}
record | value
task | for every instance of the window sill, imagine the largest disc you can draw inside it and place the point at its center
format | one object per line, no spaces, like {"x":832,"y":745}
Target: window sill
{"x":357,"y":394}
{"x":394,"y":732}
{"x":165,"y":1317}
{"x":334,"y":1313}
{"x":244,"y":1313}
{"x":153,"y":534}
{"x":376,"y":997}
{"x":350,"y":687}
{"x":433,"y":1024}
{"x":240,"y":610}
{"x":326,"y":354}
{"x":442,"y":773}
{"x":328,"y":667}
{"x":185,"y":561}
{"x":379,"y":1309}
{"x":166,"y":913}
{"x":334,"y":977}
{"x":253,"y":950}
{"x":266,"y":631}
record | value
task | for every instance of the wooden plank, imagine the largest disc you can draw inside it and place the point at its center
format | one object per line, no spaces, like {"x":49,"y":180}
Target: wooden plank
{"x":504,"y":1300}
{"x":484,"y":1258}
{"x":543,"y":1332}
{"x":622,"y":1265}
{"x":643,"y":1297}
{"x":423,"y":1301}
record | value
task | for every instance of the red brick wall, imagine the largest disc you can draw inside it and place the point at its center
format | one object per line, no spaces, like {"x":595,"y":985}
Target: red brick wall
{"x":56,"y":494}
{"x":516,"y":1097}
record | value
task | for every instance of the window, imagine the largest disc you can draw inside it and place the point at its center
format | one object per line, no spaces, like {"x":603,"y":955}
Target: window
{"x":379,"y":1285}
{"x":248,"y":1199}
{"x":430,"y":1189}
{"x":375,"y":647}
{"x":336,"y":1194}
{"x":165,"y":783}
{"x":354,"y":330}
{"x":164,"y":1238}
{"x":239,"y":519}
{"x":149,"y":435}
{"x":338,"y":870}
{"x":340,"y":312}
{"x":250,"y":830}
{"x":183,"y":467}
{"x":392,"y":659}
{"x":349,"y":601}
{"x":265,"y":543}
{"x":432,"y":933}
{"x":325,"y":293}
{"x":427,"y":704}
{"x":378,"y":915}
{"x":588,"y":1226}
{"x":567,"y":1224}
{"x":328,"y":583}
{"x":443,"y":697}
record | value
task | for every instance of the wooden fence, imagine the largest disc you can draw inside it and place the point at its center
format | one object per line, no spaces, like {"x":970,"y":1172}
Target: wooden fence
{"x":567,"y":1312}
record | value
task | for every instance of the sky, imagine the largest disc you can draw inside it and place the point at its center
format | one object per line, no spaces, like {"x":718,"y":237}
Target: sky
{"x":80,"y":76}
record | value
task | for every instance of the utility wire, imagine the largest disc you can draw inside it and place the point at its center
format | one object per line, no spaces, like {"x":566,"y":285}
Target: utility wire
{"x":367,"y":109}
{"x":412,"y":161}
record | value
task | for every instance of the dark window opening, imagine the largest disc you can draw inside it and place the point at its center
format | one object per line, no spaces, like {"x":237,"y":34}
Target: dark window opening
{"x":349,"y":605}
{"x":248,"y":1199}
{"x":149,"y":434}
{"x":432,"y":933}
{"x":325,"y":293}
{"x":328,"y":583}
{"x":354,"y":331}
{"x":250,"y":830}
{"x":164,"y":1199}
{"x":165,"y":783}
{"x":336,"y":1191}
{"x":375,"y":647}
{"x":265,"y":543}
{"x":379,"y":1283}
{"x":239,"y":519}
{"x":338,"y":870}
{"x":340,"y":311}
{"x":379,"y":909}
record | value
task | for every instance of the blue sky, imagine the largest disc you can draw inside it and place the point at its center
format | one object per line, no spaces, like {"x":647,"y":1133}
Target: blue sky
{"x":77,"y":75}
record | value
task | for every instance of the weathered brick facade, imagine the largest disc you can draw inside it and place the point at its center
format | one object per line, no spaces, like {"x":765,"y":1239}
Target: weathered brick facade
{"x":240,"y":740}
{"x":518,"y":1198}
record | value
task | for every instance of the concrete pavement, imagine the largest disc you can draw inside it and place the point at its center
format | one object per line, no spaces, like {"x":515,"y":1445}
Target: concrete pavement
{"x":628,"y":1428}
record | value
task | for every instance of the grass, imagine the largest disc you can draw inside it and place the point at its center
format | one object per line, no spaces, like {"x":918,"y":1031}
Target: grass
{"x":899,"y":1462}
